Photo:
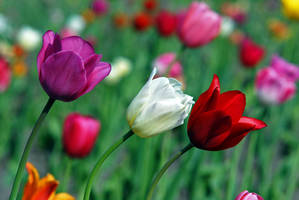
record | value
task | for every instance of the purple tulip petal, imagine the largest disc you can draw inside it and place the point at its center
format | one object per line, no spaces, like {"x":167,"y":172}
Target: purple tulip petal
{"x":48,"y":38}
{"x":63,"y":76}
{"x":91,"y":63}
{"x":101,"y":70}
{"x":78,"y":45}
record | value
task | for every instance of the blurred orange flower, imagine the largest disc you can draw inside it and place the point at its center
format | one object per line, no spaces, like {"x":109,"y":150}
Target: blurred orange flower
{"x":121,"y":20}
{"x":88,"y":15}
{"x":279,"y":29}
{"x":18,"y":51}
{"x":42,"y":189}
{"x":20,"y":68}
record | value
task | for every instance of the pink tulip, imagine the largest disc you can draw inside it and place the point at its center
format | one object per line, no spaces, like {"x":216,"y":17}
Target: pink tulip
{"x":100,"y":7}
{"x":199,"y":25}
{"x":69,"y":68}
{"x":285,"y":68}
{"x":163,"y":63}
{"x":248,"y":196}
{"x":5,"y":75}
{"x":79,"y":134}
{"x":274,"y":88}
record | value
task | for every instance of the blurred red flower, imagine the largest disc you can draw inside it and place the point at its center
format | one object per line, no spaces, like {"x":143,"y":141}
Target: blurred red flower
{"x":166,"y":23}
{"x":250,"y":53}
{"x":5,"y":74}
{"x":142,"y":21}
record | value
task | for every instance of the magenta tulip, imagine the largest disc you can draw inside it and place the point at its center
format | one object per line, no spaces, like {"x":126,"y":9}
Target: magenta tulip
{"x":285,"y":68}
{"x":248,"y":196}
{"x":273,"y":87}
{"x":164,"y":64}
{"x":100,"y":7}
{"x":199,"y":25}
{"x":79,"y":134}
{"x":69,"y":68}
{"x":5,"y":75}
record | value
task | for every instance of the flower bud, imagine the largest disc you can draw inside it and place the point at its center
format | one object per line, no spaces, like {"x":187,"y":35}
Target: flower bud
{"x":248,"y":196}
{"x":159,"y":106}
{"x":79,"y":134}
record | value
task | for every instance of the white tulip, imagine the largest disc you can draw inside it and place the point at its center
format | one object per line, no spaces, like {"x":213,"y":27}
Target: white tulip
{"x":76,"y":23}
{"x":29,"y":38}
{"x":159,"y":106}
{"x":227,"y":26}
{"x":120,"y":67}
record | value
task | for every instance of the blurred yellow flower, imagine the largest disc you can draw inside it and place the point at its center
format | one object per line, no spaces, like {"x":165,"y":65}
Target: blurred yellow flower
{"x":279,"y":29}
{"x":88,"y":15}
{"x":291,"y":8}
{"x":20,"y":68}
{"x":42,"y":189}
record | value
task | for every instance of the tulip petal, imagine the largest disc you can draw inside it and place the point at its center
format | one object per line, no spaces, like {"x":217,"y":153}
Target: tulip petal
{"x":63,"y":76}
{"x":100,"y":71}
{"x":78,"y":45}
{"x":48,"y":38}
{"x":63,"y":196}
{"x":240,"y":130}
{"x":232,"y":102}
{"x":206,"y":101}
{"x":32,"y":183}
{"x":209,"y":128}
{"x":91,"y":63}
{"x":46,"y":192}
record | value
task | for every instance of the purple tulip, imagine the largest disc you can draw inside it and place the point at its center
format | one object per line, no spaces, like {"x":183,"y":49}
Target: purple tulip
{"x":69,"y":68}
{"x":285,"y":68}
{"x":100,"y":7}
{"x":248,"y":196}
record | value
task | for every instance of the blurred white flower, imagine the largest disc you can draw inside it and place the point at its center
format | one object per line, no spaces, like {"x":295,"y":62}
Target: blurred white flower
{"x":120,"y":67}
{"x":5,"y":28}
{"x":159,"y":106}
{"x":76,"y":23}
{"x":28,"y":38}
{"x":227,"y":26}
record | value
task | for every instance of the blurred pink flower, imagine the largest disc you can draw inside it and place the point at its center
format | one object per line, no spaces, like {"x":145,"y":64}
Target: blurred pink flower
{"x":199,"y":25}
{"x":5,"y":75}
{"x":67,"y":32}
{"x":69,"y":68}
{"x":100,"y":7}
{"x":248,"y":196}
{"x":285,"y":68}
{"x":274,"y":88}
{"x":164,"y":62}
{"x":79,"y":134}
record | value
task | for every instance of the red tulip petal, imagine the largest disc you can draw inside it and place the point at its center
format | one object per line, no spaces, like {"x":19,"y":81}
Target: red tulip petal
{"x":233,"y":103}
{"x":208,"y":127}
{"x":206,"y":100}
{"x":240,"y":130}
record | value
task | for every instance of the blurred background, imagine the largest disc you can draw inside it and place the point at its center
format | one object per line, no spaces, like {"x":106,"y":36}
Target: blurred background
{"x":265,"y":162}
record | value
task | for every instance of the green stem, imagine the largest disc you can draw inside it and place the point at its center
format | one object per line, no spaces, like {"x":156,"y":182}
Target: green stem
{"x":97,"y":167}
{"x":67,"y":174}
{"x":164,"y":169}
{"x":18,"y":178}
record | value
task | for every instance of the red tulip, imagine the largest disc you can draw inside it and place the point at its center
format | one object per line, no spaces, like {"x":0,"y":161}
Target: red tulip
{"x":216,"y":121}
{"x":142,"y":21}
{"x":150,"y":5}
{"x":166,"y":23}
{"x":250,"y":53}
{"x":5,"y":75}
{"x":79,"y":134}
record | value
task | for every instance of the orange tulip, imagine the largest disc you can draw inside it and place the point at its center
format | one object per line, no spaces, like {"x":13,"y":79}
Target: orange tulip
{"x":42,"y":189}
{"x":20,"y":68}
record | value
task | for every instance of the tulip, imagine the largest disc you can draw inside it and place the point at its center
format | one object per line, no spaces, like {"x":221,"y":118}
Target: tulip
{"x":79,"y":134}
{"x":248,"y":196}
{"x":166,"y":23}
{"x":142,"y":21}
{"x":120,"y":67}
{"x":88,"y":15}
{"x":291,"y":8}
{"x":273,"y":87}
{"x":216,"y":121}
{"x":279,"y":29}
{"x":234,"y":11}
{"x":285,"y":68}
{"x":165,"y":66}
{"x":250,"y":53}
{"x":159,"y":106}
{"x":5,"y":75}
{"x":198,"y":26}
{"x":121,"y":20}
{"x":227,"y":26}
{"x":28,"y":38}
{"x":150,"y":5}
{"x":69,"y":68}
{"x":100,"y":7}
{"x":42,"y":189}
{"x":20,"y":68}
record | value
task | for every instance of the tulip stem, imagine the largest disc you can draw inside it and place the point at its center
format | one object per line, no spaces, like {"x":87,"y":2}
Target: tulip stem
{"x":164,"y":169}
{"x":98,"y":165}
{"x":67,"y":173}
{"x":22,"y":163}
